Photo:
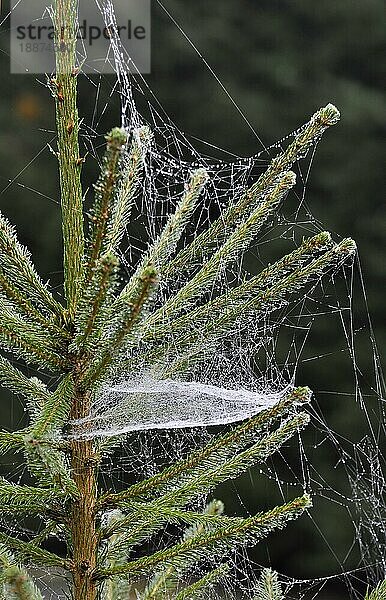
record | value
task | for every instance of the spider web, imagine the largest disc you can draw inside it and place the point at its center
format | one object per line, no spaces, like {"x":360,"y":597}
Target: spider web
{"x":243,"y":366}
{"x":254,"y":371}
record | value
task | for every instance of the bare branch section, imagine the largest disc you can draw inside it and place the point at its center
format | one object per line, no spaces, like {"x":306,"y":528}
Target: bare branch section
{"x":64,"y":88}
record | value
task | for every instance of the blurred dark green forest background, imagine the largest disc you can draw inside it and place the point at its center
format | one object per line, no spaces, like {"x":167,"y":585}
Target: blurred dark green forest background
{"x":280,"y":60}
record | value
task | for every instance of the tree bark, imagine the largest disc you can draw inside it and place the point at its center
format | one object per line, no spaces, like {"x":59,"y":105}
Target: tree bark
{"x":84,"y":532}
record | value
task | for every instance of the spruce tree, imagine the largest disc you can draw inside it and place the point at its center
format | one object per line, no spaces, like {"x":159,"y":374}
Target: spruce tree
{"x":81,"y":342}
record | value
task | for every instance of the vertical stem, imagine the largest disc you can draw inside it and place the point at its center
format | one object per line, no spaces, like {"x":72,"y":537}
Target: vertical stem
{"x":84,"y":533}
{"x":67,"y":121}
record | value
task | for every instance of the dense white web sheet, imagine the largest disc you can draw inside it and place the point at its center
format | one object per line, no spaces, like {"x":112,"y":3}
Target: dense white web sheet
{"x":147,"y":403}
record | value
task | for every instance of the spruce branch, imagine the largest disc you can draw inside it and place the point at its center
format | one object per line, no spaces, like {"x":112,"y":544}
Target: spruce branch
{"x":143,"y":520}
{"x":19,"y":276}
{"x":379,"y":593}
{"x":195,"y":484}
{"x":129,"y":185}
{"x":111,"y":208}
{"x":27,"y":341}
{"x":64,"y":86}
{"x":29,"y":552}
{"x":167,"y":578}
{"x":49,"y":466}
{"x":22,"y":304}
{"x":164,"y":246}
{"x":244,"y":533}
{"x":157,"y":332}
{"x":268,"y":587}
{"x":167,"y":241}
{"x":115,"y":555}
{"x":105,"y":189}
{"x":26,"y":500}
{"x":239,"y":210}
{"x":92,"y":311}
{"x":309,"y":249}
{"x":133,"y":304}
{"x":55,"y":411}
{"x":32,"y":388}
{"x":260,"y":306}
{"x":238,"y":241}
{"x":16,"y":583}
{"x":205,"y":481}
{"x":11,"y":441}
{"x":271,"y":275}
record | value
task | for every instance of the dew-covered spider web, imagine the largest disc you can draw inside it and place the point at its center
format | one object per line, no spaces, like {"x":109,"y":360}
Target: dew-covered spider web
{"x":160,"y":417}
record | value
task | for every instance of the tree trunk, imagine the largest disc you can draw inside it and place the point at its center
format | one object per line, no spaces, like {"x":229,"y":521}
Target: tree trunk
{"x":83,"y":514}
